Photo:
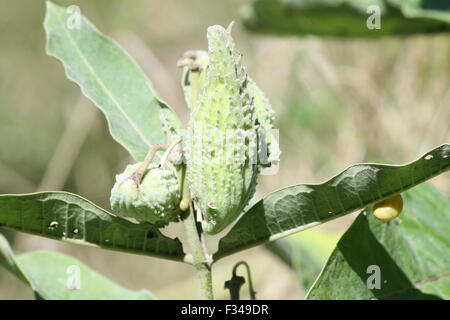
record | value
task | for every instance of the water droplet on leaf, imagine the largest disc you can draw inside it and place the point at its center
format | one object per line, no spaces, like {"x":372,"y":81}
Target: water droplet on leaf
{"x":53,"y":225}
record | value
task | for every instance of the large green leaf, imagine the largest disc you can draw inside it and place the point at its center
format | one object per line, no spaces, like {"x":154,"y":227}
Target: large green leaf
{"x":53,"y":275}
{"x":300,"y":207}
{"x":9,"y":262}
{"x":71,"y":218}
{"x":56,"y":276}
{"x":412,"y":253}
{"x":346,"y":18}
{"x":110,"y":78}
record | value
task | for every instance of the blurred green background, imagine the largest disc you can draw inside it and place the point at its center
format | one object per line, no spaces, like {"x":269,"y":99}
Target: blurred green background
{"x":338,"y":102}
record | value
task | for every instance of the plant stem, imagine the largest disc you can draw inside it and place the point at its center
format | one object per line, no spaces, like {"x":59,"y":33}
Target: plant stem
{"x":169,"y":149}
{"x":200,"y":258}
{"x":201,"y":261}
{"x":137,"y":175}
{"x":194,"y":88}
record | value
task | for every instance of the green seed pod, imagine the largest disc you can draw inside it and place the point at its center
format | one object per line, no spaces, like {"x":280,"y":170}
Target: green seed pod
{"x":388,"y":209}
{"x":222,"y":140}
{"x":194,"y":63}
{"x":154,"y":200}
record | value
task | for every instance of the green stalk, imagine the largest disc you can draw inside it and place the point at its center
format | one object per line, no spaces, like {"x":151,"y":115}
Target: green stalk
{"x":200,"y":258}
{"x":194,"y":88}
{"x":138,"y":174}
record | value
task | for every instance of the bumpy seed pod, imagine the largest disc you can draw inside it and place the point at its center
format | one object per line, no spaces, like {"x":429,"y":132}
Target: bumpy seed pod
{"x":388,"y":209}
{"x":154,"y":199}
{"x":222,"y":139}
{"x":194,"y":63}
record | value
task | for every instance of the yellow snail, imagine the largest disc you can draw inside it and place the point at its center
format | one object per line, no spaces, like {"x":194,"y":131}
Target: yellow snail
{"x":388,"y":209}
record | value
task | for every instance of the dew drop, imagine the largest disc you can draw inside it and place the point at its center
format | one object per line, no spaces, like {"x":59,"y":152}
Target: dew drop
{"x":428,"y":157}
{"x":53,"y":225}
{"x":212,"y":205}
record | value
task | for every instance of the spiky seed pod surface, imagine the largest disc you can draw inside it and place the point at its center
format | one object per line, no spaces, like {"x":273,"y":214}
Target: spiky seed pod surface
{"x":269,"y":152}
{"x":154,"y":200}
{"x":388,"y":209}
{"x":221,"y":145}
{"x":194,"y":63}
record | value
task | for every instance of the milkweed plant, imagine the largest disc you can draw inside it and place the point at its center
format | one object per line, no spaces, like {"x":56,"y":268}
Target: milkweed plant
{"x":203,"y":176}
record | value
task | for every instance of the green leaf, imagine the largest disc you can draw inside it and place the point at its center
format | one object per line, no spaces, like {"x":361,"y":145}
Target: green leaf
{"x":56,"y":276}
{"x":110,"y":78}
{"x":346,"y":18}
{"x":71,"y":218}
{"x":299,"y":207}
{"x":412,"y":252}
{"x":9,"y":262}
{"x":432,"y":9}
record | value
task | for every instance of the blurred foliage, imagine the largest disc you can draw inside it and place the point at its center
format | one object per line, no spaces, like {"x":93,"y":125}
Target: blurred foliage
{"x":347,"y":18}
{"x":306,"y":253}
{"x":337,"y":103}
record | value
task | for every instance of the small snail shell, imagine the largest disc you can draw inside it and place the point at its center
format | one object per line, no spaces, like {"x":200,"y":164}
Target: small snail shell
{"x":388,"y":209}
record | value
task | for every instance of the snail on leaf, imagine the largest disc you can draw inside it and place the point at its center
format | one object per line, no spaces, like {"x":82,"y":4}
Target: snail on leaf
{"x":388,"y":209}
